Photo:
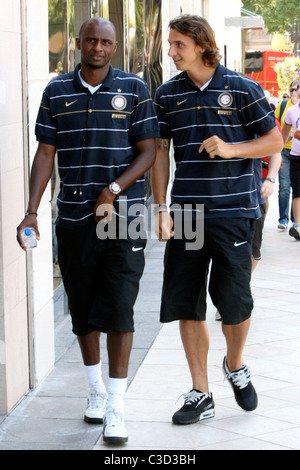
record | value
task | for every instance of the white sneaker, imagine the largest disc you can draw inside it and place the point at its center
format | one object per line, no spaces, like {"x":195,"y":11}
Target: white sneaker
{"x":95,"y":410}
{"x":114,"y":429}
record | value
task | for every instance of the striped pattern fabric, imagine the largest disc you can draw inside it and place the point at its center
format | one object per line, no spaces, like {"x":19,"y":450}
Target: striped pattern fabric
{"x":95,"y":136}
{"x":234,"y":108}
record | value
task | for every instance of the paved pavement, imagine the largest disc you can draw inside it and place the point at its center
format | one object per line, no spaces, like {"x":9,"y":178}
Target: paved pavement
{"x":50,"y":417}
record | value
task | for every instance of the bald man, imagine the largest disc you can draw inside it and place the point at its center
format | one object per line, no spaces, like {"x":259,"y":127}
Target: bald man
{"x":101,"y":123}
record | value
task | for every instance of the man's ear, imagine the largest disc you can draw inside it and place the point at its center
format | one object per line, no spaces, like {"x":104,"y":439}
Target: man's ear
{"x":201,"y":49}
{"x":116,"y":47}
{"x":78,"y":43}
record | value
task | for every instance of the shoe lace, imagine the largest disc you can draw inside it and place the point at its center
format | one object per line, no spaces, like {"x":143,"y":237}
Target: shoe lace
{"x":240,"y":378}
{"x":192,"y":397}
{"x":96,"y":400}
{"x":113,"y":417}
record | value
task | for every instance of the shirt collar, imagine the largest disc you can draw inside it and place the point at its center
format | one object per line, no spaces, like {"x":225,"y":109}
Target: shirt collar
{"x":107,"y":83}
{"x":218,"y":78}
{"x":217,"y":81}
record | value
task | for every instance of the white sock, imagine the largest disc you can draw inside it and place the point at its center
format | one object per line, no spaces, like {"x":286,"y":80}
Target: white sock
{"x":116,"y":389}
{"x":94,"y":377}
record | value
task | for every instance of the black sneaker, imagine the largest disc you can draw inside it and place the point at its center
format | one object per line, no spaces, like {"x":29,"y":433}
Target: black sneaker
{"x":197,"y":406}
{"x":295,"y":233}
{"x":244,"y":391}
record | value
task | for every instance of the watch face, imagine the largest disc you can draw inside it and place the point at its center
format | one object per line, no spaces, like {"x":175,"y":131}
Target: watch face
{"x":115,"y":187}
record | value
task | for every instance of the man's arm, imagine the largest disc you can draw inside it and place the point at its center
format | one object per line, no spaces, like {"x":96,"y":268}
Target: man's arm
{"x":286,"y":133}
{"x":266,"y":144}
{"x":41,"y":172}
{"x":275,"y":162}
{"x":142,"y":163}
{"x":160,"y":175}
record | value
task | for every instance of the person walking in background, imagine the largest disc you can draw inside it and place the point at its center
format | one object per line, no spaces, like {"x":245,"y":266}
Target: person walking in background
{"x":285,"y":211}
{"x":101,"y":122}
{"x":265,"y":180}
{"x":292,"y":121}
{"x":219,"y":121}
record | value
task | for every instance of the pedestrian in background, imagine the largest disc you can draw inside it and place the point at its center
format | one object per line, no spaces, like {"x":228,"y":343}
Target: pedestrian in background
{"x":292,"y":121}
{"x":284,"y":194}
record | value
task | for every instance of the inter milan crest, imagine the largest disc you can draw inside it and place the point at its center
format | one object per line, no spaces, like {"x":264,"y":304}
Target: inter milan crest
{"x":225,"y":100}
{"x":119,"y":102}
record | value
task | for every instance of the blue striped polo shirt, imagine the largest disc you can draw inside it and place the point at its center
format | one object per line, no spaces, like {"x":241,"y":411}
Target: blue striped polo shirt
{"x":234,"y":108}
{"x":95,"y":136}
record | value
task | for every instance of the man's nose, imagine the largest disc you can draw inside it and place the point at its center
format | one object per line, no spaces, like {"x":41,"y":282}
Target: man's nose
{"x":171,"y":51}
{"x":98,"y":45}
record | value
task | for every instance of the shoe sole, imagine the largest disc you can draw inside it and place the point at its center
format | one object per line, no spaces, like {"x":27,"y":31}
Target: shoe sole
{"x":93,"y":420}
{"x":115,"y":439}
{"x":205,"y":415}
{"x":282,"y":227}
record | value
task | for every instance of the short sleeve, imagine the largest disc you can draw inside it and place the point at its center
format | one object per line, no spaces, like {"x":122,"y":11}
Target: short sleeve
{"x":45,"y":128}
{"x":144,"y":124}
{"x":165,"y":131}
{"x":255,"y":112}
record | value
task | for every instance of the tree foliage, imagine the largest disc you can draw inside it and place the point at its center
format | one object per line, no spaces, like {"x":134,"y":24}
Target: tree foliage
{"x":287,"y":72}
{"x":277,"y":14}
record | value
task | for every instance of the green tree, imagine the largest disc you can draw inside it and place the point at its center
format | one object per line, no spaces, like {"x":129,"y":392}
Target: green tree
{"x":277,"y":14}
{"x":287,"y":71}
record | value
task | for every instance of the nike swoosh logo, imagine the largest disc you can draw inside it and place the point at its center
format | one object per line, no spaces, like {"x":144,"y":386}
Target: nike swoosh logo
{"x":69,"y":104}
{"x":239,"y":244}
{"x":181,"y":102}
{"x":134,"y":249}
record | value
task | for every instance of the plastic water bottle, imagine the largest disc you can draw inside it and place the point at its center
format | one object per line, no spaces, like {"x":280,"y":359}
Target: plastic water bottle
{"x":29,"y":238}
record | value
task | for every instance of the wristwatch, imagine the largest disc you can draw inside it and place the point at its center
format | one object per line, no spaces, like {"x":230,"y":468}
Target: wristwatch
{"x":270,"y":179}
{"x":114,"y":188}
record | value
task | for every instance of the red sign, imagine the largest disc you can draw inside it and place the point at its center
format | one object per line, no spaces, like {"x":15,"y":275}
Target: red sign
{"x":260,"y":67}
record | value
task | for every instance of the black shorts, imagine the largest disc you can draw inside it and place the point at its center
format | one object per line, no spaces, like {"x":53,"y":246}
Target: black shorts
{"x":228,"y":247}
{"x":101,"y":278}
{"x":295,"y":175}
{"x":258,"y":233}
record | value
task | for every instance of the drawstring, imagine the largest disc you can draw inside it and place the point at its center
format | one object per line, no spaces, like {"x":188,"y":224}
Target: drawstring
{"x":78,"y":180}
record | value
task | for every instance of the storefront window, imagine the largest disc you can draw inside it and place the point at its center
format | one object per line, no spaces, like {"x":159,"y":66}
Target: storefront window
{"x":99,"y":8}
{"x":61,"y":36}
{"x":61,"y":60}
{"x":143,"y":49}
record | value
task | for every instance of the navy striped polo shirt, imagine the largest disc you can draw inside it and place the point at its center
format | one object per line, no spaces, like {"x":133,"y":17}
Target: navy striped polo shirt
{"x":234,"y":108}
{"x":95,"y":136}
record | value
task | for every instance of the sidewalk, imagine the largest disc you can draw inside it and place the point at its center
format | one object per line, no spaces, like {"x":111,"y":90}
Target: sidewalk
{"x":50,"y":417}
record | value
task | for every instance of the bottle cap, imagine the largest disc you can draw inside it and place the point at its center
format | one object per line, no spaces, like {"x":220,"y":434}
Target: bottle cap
{"x":28,"y":231}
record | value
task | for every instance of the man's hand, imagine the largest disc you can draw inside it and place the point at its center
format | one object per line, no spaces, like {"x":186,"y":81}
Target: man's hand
{"x":28,"y":222}
{"x":164,"y":226}
{"x":103,"y":208}
{"x":216,"y":146}
{"x":267,"y":189}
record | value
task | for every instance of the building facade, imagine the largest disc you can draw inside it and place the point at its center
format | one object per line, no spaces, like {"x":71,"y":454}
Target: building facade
{"x":38,"y":42}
